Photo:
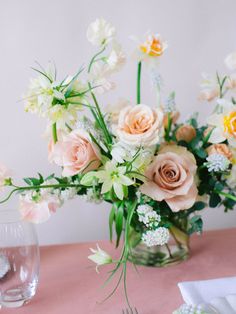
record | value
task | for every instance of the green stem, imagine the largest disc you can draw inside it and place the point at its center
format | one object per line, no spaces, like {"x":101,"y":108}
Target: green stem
{"x":101,"y":119}
{"x":54,"y":132}
{"x":230,"y":196}
{"x":139,"y":82}
{"x":37,"y":187}
{"x":94,"y":57}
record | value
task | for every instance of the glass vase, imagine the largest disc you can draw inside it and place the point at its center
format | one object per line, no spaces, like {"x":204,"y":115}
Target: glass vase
{"x":19,"y":260}
{"x":176,"y":251}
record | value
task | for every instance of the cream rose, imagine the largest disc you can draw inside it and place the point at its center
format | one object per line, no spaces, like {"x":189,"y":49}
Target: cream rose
{"x":76,"y":153}
{"x":140,"y":125}
{"x":171,"y":178}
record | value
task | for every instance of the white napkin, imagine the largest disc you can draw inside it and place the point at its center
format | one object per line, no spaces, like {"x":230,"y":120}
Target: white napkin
{"x":217,"y":294}
{"x":196,"y":292}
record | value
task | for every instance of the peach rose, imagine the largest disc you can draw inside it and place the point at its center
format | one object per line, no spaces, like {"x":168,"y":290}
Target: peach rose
{"x":171,"y":178}
{"x":221,"y":149}
{"x":140,"y":125}
{"x":185,"y":133}
{"x":76,"y":153}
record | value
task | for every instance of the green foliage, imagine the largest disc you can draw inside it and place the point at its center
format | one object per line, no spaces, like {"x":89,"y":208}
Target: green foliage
{"x":215,"y":200}
{"x":195,"y":224}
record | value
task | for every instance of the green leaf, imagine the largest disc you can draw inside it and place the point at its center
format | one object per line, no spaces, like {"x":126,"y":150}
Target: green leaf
{"x":111,"y":220}
{"x":214,"y":200}
{"x":27,"y":181}
{"x":88,"y":178}
{"x":119,"y":224}
{"x":201,"y":153}
{"x":199,"y":205}
{"x":41,"y":179}
{"x":196,"y":224}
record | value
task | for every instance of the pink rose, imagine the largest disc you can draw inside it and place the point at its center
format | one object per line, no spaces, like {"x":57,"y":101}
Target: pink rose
{"x":75,"y":152}
{"x":140,"y":125}
{"x":5,"y":173}
{"x":171,"y":178}
{"x":38,"y":211}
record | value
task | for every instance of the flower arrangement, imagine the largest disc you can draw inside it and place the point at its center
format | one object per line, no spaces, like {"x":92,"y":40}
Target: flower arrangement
{"x":156,"y":172}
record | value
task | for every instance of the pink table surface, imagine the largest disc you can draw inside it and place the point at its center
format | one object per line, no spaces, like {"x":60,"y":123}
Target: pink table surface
{"x":69,"y":285}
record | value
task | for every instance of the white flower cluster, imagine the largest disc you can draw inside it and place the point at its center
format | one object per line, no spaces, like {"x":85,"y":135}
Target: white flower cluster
{"x":155,"y":235}
{"x":170,"y":105}
{"x":91,"y":196}
{"x":190,"y":309}
{"x":217,"y":162}
{"x":148,"y":216}
{"x":160,"y":236}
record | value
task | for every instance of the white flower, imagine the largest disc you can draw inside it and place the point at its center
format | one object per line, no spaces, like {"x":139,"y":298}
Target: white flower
{"x":122,"y":152}
{"x":100,"y":78}
{"x":113,"y":177}
{"x":159,"y":236}
{"x":102,"y":70}
{"x":142,"y":210}
{"x":230,"y":61}
{"x":217,"y":162}
{"x":150,"y":49}
{"x":63,"y":115}
{"x":116,"y":59}
{"x":224,"y":123}
{"x":68,"y":194}
{"x":148,"y":216}
{"x":100,"y":32}
{"x":100,"y":257}
{"x":209,"y":88}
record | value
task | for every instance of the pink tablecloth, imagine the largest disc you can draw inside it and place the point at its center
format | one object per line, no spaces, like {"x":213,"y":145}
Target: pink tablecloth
{"x":69,"y":286}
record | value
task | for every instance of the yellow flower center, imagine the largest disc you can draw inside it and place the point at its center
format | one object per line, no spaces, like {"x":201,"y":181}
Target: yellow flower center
{"x":230,"y":123}
{"x":153,"y":47}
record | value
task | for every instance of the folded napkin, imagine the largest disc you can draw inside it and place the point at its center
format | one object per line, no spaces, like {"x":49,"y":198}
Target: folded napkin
{"x":215,"y":296}
{"x":196,"y":292}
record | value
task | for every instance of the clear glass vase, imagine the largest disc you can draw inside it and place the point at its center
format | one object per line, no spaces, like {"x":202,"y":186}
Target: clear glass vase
{"x":19,"y":260}
{"x":176,"y":251}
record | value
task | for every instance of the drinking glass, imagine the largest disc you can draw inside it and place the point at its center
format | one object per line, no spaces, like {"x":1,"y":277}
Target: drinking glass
{"x":19,"y":260}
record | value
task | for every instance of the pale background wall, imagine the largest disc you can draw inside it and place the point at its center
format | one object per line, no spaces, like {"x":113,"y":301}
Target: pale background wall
{"x":200,"y":34}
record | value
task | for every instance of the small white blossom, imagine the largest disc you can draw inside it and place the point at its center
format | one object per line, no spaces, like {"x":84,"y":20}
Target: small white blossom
{"x":148,"y":216}
{"x":68,"y":194}
{"x":151,"y":219}
{"x":159,"y":236}
{"x":142,"y":210}
{"x":217,"y":162}
{"x":100,"y":32}
{"x":170,"y":105}
{"x":100,"y":257}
